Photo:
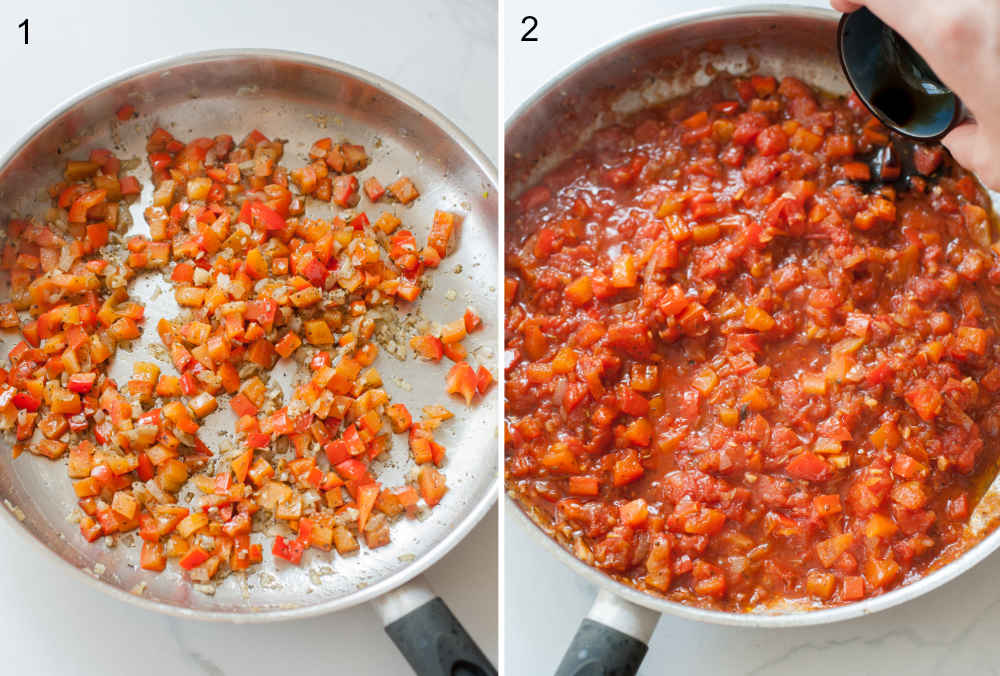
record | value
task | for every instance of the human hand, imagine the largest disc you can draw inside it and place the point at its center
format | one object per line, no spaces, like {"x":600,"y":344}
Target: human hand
{"x":960,"y":40}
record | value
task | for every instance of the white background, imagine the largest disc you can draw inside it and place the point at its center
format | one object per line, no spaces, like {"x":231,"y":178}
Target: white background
{"x":950,"y":631}
{"x":444,"y":51}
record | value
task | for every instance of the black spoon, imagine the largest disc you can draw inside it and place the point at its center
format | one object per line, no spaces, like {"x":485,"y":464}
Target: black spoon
{"x":893,"y":81}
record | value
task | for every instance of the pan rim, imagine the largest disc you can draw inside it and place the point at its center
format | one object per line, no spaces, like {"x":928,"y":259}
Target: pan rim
{"x":484,"y":502}
{"x":947,"y":572}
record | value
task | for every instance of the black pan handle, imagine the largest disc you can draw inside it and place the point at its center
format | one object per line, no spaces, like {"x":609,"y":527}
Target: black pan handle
{"x":611,"y":641}
{"x":429,"y":635}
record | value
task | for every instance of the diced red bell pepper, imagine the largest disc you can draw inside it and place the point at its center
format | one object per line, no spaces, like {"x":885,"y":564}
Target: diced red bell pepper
{"x":83,"y":203}
{"x":264,"y":215}
{"x":194,"y":557}
{"x":484,"y":380}
{"x":373,"y":189}
{"x":432,"y":485}
{"x":152,"y":557}
{"x":145,"y":469}
{"x":472,"y":321}
{"x":366,"y":500}
{"x":90,"y":529}
{"x":627,"y":469}
{"x":268,"y":217}
{"x":81,"y":383}
{"x":359,"y":222}
{"x":352,"y":469}
{"x":242,"y":405}
{"x":290,"y":550}
{"x":159,"y":161}
{"x":26,"y":401}
{"x":129,"y":185}
{"x":344,"y":188}
{"x":462,"y":380}
{"x":337,"y":451}
{"x":428,"y":347}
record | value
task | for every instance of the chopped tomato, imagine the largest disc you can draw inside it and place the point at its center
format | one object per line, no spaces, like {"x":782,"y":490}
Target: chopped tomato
{"x":704,"y":369}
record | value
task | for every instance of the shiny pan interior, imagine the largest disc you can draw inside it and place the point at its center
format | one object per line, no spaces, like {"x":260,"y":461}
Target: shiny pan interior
{"x":651,"y":65}
{"x":299,"y":98}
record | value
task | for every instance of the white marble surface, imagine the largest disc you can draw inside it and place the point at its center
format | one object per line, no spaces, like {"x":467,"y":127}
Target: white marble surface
{"x":950,"y":631}
{"x":443,"y":51}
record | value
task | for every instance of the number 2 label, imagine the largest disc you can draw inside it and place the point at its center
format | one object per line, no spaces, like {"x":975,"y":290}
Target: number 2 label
{"x":532,"y":24}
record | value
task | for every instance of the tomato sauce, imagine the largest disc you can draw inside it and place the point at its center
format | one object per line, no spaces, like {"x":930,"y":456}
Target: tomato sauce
{"x":751,"y":349}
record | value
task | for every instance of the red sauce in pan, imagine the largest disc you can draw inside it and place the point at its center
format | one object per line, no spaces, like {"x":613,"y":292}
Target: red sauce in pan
{"x":752,"y":349}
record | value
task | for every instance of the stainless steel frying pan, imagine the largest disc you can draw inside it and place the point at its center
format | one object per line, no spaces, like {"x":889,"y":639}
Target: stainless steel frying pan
{"x":300,"y":98}
{"x":653,"y":64}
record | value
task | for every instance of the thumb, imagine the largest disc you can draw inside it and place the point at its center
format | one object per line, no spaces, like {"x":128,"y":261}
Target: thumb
{"x":968,"y":146}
